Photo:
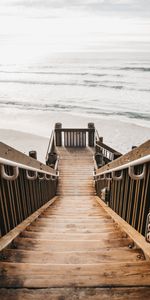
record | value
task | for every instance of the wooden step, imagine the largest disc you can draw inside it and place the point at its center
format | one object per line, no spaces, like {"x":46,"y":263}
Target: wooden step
{"x":72,"y":223}
{"x":50,"y":219}
{"x":74,"y":250}
{"x":73,"y":229}
{"x":72,"y":257}
{"x":68,"y":275}
{"x":74,"y":245}
{"x":98,"y":293}
{"x":73,"y":236}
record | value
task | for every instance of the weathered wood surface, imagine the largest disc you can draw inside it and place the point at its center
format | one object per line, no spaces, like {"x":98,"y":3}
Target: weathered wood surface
{"x":139,"y":239}
{"x":127,"y":293}
{"x":12,"y":154}
{"x":74,"y":249}
{"x":134,"y":154}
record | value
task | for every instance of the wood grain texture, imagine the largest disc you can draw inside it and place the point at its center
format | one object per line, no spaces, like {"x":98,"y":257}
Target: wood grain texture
{"x":127,"y":293}
{"x":74,"y":249}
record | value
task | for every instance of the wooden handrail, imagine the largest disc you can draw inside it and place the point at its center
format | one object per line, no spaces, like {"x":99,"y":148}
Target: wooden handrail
{"x":31,"y":186}
{"x":75,"y":137}
{"x":75,"y":129}
{"x":24,"y":167}
{"x":51,"y":140}
{"x":129,"y":190}
{"x":9,"y":177}
{"x":133,"y":163}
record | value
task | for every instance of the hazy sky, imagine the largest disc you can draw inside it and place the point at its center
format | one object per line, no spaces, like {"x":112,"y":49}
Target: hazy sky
{"x":33,"y":27}
{"x":129,"y":7}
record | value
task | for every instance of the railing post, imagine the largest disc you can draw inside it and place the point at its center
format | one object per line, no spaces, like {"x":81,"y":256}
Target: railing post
{"x":91,"y":134}
{"x":116,"y":155}
{"x":33,"y":154}
{"x":58,"y":134}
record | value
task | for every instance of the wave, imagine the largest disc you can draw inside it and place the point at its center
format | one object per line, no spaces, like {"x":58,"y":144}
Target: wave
{"x":60,"y":73}
{"x":74,"y":108}
{"x":87,"y":84}
{"x":130,"y":115}
{"x":46,"y":73}
{"x":135,"y":115}
{"x":141,"y":69}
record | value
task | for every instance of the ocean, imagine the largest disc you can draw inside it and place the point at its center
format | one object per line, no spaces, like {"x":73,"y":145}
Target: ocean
{"x":103,"y":85}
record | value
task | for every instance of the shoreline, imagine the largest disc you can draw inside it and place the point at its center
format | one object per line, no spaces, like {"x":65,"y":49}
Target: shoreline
{"x":35,"y":131}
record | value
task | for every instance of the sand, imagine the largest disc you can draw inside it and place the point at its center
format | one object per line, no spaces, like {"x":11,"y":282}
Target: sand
{"x":31,"y":131}
{"x":25,"y":142}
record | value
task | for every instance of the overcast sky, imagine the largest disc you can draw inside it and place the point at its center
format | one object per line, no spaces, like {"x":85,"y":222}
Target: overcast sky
{"x":73,"y":25}
{"x":132,"y":8}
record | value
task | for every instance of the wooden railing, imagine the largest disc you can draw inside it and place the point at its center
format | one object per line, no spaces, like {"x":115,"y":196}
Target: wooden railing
{"x":74,"y":137}
{"x":25,"y":185}
{"x":108,"y":154}
{"x":125,"y":185}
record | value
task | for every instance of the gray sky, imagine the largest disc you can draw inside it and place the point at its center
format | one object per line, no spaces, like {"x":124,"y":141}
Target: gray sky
{"x":140,"y":8}
{"x":32,"y":27}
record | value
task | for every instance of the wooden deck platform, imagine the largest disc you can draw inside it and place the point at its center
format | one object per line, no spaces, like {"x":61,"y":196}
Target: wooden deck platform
{"x":74,"y":249}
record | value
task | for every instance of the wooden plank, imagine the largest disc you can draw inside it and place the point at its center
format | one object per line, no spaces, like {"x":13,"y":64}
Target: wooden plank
{"x":81,"y":209}
{"x":75,"y":215}
{"x":78,"y":218}
{"x":64,"y":226}
{"x":73,"y":257}
{"x":73,"y":223}
{"x":9,"y":237}
{"x":74,"y":245}
{"x":10,"y":153}
{"x":97,"y":275}
{"x":50,"y":219}
{"x":127,"y":293}
{"x":61,"y":219}
{"x":138,"y":239}
{"x":136,"y":153}
{"x":79,"y":229}
{"x":73,"y":236}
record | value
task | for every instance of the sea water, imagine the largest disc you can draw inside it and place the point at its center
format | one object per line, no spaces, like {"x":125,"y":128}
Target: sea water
{"x":99,"y":84}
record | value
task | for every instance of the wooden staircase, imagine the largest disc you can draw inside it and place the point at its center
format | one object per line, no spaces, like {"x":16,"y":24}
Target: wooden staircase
{"x":74,"y":249}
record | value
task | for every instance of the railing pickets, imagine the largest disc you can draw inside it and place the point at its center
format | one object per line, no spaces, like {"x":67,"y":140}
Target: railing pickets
{"x":21,"y":194}
{"x":4,"y":211}
{"x":18,"y":204}
{"x":135,"y":204}
{"x":81,"y":139}
{"x":3,"y":221}
{"x":146,"y":202}
{"x":142,"y":205}
{"x":74,"y":137}
{"x":68,"y":139}
{"x":77,"y":137}
{"x":10,"y":204}
{"x":129,"y":192}
{"x":118,"y":196}
{"x":122,"y":182}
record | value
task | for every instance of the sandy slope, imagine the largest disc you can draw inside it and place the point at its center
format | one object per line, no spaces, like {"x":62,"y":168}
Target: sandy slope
{"x":29,"y":132}
{"x":25,"y":142}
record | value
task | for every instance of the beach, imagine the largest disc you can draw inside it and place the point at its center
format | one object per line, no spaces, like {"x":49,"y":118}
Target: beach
{"x":108,"y":89}
{"x":35,"y":129}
